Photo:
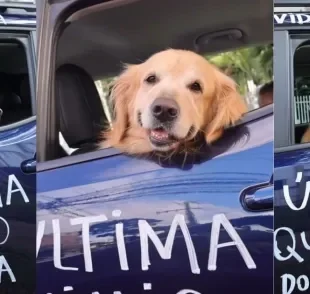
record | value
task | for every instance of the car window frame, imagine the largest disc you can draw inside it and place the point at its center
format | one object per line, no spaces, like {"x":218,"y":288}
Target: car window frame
{"x":286,"y":40}
{"x":281,"y":88}
{"x":24,"y":36}
{"x":47,"y":132}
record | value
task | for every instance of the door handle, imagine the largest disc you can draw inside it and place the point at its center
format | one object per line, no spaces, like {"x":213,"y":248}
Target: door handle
{"x":29,"y":166}
{"x":258,"y":197}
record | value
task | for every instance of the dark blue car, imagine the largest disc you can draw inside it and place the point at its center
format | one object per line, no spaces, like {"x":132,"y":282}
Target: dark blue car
{"x":292,"y":153}
{"x":17,"y":146}
{"x":112,"y":223}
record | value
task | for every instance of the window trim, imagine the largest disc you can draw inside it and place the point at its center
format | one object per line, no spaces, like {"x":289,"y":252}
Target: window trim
{"x":282,"y":86}
{"x":291,"y":3}
{"x":299,"y":28}
{"x":33,"y":71}
{"x":26,"y":40}
{"x":286,"y":65}
{"x":34,"y":41}
{"x":295,"y":147}
{"x":18,"y":123}
{"x":47,"y":34}
{"x":108,"y":152}
{"x":295,"y":40}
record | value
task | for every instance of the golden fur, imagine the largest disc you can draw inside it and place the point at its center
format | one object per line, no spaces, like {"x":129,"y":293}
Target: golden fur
{"x":207,"y":99}
{"x":306,"y":136}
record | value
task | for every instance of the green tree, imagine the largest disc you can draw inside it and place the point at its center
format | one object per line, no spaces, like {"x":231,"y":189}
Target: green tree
{"x":243,"y":65}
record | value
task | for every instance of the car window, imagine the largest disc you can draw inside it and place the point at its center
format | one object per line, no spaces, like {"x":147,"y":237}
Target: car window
{"x":15,"y":94}
{"x":301,"y":98}
{"x":250,"y":67}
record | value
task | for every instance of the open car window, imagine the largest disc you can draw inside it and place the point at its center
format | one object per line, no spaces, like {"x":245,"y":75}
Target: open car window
{"x":292,"y":35}
{"x":250,"y":67}
{"x":95,"y":43}
{"x":301,"y":98}
{"x":15,"y":90}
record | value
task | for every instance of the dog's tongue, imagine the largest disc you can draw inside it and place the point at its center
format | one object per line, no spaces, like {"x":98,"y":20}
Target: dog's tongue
{"x":160,"y":134}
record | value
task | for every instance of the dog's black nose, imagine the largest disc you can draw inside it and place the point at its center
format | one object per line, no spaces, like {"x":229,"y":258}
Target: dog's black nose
{"x":165,"y":110}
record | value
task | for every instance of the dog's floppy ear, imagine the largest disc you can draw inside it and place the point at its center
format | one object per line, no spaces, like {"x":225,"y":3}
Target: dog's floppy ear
{"x":122,"y":92}
{"x":228,"y":108}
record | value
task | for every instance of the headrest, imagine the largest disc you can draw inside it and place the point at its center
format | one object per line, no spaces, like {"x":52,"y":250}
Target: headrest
{"x":81,"y":112}
{"x":9,"y":100}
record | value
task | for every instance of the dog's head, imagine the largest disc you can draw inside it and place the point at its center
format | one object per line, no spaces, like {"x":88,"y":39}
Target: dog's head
{"x":168,"y":99}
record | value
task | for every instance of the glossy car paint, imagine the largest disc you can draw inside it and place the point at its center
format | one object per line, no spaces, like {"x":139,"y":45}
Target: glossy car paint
{"x":143,"y":190}
{"x":17,"y":145}
{"x":287,"y":166}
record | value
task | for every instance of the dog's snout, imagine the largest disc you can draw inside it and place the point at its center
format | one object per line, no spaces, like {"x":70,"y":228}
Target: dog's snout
{"x":165,"y":109}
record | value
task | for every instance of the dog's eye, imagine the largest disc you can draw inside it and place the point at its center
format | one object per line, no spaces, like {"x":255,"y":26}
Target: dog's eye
{"x":195,"y":87}
{"x":151,"y":79}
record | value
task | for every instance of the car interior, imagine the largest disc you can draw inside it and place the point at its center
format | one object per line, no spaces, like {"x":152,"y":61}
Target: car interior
{"x":98,"y":39}
{"x":15,"y":95}
{"x":302,"y":90}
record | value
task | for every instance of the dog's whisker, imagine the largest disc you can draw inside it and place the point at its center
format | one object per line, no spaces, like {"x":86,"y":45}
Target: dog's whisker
{"x":184,"y":161}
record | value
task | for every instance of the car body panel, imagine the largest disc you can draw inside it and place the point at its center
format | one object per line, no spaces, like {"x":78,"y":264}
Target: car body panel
{"x":141,"y":189}
{"x":291,"y":162}
{"x":288,"y":165}
{"x":17,"y":145}
{"x":118,"y":190}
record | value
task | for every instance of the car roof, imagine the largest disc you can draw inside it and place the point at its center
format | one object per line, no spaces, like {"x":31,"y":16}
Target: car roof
{"x":132,"y":32}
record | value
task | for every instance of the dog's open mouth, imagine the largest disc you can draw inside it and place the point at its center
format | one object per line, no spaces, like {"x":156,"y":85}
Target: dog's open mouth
{"x":161,"y":138}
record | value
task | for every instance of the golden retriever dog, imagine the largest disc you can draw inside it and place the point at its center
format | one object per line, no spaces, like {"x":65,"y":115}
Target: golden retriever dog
{"x":306,"y":136}
{"x":166,"y":101}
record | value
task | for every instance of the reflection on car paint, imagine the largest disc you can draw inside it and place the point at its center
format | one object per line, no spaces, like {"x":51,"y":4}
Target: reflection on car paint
{"x":17,"y":208}
{"x":138,"y":204}
{"x":292,"y":179}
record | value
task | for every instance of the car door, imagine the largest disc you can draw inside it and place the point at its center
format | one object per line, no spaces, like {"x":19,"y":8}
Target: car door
{"x":17,"y":175}
{"x":108,"y":223}
{"x":292,"y":161}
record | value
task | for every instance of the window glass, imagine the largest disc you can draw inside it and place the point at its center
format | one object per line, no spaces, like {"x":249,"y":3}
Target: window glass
{"x":15,"y":94}
{"x":302,"y":93}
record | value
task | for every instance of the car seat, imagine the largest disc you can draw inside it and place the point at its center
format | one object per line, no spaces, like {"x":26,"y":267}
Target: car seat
{"x":82,"y":116}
